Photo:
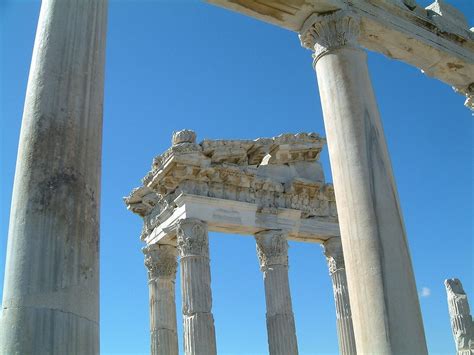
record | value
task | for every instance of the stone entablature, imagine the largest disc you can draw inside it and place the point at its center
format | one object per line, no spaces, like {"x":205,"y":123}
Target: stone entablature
{"x":267,"y":176}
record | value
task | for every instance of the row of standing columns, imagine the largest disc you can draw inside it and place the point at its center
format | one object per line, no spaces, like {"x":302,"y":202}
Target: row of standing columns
{"x":198,"y":322}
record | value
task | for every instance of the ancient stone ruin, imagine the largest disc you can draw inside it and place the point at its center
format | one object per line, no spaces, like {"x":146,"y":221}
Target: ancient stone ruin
{"x":461,"y":319}
{"x":271,"y":188}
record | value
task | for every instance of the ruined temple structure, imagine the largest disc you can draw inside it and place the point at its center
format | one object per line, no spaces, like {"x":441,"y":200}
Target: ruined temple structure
{"x":461,"y":319}
{"x":44,"y":311}
{"x":269,"y":188}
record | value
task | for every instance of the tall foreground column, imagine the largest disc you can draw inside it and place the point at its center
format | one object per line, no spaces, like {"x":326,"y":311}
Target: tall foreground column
{"x":161,"y":263}
{"x":345,"y":330}
{"x":385,"y":308}
{"x":193,"y":246}
{"x":272,"y":251}
{"x":51,"y":289}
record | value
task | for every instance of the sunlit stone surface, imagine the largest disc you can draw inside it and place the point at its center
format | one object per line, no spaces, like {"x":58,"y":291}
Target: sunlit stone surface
{"x":272,"y":188}
{"x":337,"y":270}
{"x":51,"y":291}
{"x":373,"y":235}
{"x":272,"y":251}
{"x":160,"y":261}
{"x":461,"y":319}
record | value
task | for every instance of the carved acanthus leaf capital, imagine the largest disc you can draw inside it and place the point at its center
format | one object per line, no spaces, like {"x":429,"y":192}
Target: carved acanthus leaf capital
{"x":192,"y":238}
{"x":272,"y":248}
{"x":324,"y":33}
{"x":334,"y":256}
{"x":160,"y":261}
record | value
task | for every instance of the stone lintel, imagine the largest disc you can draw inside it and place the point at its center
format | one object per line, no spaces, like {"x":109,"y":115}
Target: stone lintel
{"x":240,"y":218}
{"x":428,"y":38}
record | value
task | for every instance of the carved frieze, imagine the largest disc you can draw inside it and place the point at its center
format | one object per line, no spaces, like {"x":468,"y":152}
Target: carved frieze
{"x":272,"y":173}
{"x":142,"y":200}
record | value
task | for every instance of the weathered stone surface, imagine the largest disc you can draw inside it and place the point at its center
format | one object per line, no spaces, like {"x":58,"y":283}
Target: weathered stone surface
{"x":160,"y":261}
{"x":447,"y":18}
{"x":51,"y":290}
{"x":345,"y":330}
{"x":273,"y":174}
{"x":193,"y":246}
{"x":461,"y":319}
{"x":184,"y":136}
{"x":243,"y":187}
{"x":334,"y":32}
{"x":372,"y":230}
{"x":235,"y":217}
{"x":272,"y":252}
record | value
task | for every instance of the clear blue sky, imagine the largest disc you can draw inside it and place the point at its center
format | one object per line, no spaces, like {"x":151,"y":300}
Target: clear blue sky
{"x":185,"y":64}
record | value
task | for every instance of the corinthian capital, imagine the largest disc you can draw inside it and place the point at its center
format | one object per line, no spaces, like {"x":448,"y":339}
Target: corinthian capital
{"x":324,"y":33}
{"x":160,"y":261}
{"x":333,"y":252}
{"x":192,"y":238}
{"x":272,"y":248}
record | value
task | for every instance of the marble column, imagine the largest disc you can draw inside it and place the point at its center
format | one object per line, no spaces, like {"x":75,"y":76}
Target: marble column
{"x":385,"y":307}
{"x":460,"y":315}
{"x":345,"y":332}
{"x":272,"y":252}
{"x":193,"y":246}
{"x":51,"y":288}
{"x":161,"y":263}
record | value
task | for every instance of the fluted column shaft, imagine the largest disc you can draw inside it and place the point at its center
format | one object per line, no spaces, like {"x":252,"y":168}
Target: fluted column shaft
{"x":193,"y":246}
{"x":272,"y":252}
{"x":462,"y":324}
{"x":385,"y":307}
{"x":161,"y":263}
{"x":51,"y":290}
{"x":345,"y":331}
